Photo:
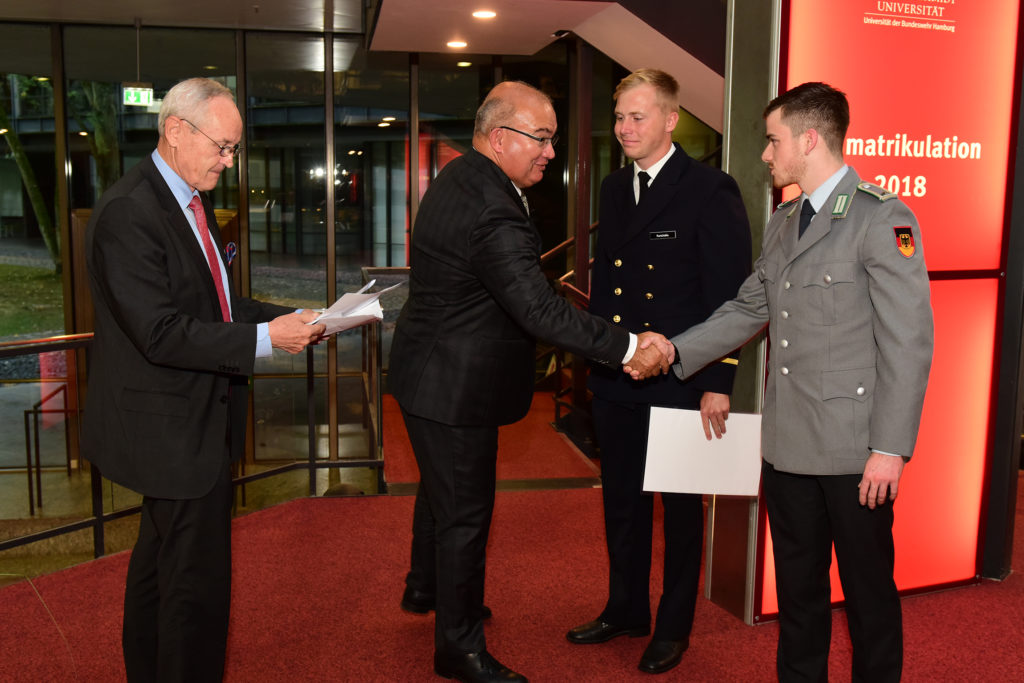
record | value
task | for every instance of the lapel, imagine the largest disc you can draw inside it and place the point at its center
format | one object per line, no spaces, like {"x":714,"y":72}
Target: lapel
{"x":182,"y":231}
{"x":834,"y":208}
{"x":660,"y":194}
{"x":489,"y":169}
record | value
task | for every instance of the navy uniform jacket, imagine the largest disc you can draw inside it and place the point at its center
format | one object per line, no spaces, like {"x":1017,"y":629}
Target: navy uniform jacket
{"x":850,"y":320}
{"x":666,"y":266}
{"x":168,"y":379}
{"x":464,"y":346}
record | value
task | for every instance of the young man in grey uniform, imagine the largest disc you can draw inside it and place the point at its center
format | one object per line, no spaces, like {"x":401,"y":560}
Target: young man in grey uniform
{"x":845,"y":296}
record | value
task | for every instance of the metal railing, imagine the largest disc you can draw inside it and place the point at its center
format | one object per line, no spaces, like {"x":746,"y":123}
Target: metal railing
{"x":371,"y":374}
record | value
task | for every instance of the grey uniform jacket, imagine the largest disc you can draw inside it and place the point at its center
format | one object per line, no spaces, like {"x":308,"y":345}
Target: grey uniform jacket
{"x":850,"y":323}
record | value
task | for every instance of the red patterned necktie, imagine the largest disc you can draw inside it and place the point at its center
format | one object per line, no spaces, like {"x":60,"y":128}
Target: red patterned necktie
{"x":211,"y":254}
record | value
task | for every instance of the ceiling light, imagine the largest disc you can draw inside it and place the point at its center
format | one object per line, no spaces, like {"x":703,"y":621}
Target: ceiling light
{"x":388,"y":118}
{"x":484,"y":14}
{"x":83,"y":133}
{"x":383,"y":124}
{"x":457,"y":43}
{"x":210,"y":67}
{"x":463,"y":64}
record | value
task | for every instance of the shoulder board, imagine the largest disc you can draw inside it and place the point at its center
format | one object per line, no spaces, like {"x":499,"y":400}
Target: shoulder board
{"x":875,"y":191}
{"x":791,"y":201}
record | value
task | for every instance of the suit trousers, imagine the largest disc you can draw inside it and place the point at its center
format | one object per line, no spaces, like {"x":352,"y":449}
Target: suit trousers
{"x":178,"y":588}
{"x":807,"y":515}
{"x":629,"y":520}
{"x":455,"y":500}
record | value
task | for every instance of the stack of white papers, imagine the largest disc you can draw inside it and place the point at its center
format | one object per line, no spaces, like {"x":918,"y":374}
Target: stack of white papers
{"x":354,"y":309}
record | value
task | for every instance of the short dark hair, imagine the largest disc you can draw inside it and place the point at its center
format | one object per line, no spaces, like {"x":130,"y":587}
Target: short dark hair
{"x":818,"y":106}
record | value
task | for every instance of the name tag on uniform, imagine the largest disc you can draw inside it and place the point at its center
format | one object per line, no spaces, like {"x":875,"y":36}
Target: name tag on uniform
{"x":663,"y":235}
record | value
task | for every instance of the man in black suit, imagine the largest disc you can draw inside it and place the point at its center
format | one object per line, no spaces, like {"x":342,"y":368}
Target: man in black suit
{"x":673,"y":243}
{"x":462,"y":359}
{"x":168,"y":381}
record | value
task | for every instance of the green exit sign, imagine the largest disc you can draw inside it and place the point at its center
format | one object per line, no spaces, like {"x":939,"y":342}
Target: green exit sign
{"x":137,"y":95}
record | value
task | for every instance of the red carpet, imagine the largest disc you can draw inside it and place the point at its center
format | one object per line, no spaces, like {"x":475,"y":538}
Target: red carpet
{"x":518,"y":446}
{"x":317,"y":583}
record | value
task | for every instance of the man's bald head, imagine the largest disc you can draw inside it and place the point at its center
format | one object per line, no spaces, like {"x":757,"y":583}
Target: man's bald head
{"x":514,"y":128}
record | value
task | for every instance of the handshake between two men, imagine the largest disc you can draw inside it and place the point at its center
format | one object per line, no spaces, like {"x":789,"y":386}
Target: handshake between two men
{"x":654,"y":355}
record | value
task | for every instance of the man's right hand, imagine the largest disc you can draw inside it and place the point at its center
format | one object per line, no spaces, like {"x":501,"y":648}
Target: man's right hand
{"x":654,"y":355}
{"x":292,"y":333}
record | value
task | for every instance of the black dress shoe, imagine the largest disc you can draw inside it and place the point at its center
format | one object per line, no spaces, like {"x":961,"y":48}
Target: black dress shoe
{"x":418,"y":602}
{"x":474,"y":667}
{"x":598,"y":631}
{"x":662,"y":655}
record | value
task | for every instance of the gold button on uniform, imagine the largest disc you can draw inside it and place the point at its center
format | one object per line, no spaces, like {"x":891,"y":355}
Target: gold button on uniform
{"x":648,"y":296}
{"x":617,"y":262}
{"x":616,"y":318}
{"x":650,"y":266}
{"x":647,"y":324}
{"x":618,"y":291}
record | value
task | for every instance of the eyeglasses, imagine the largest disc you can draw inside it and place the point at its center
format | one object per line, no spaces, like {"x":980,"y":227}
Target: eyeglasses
{"x":225,"y":150}
{"x":543,"y":141}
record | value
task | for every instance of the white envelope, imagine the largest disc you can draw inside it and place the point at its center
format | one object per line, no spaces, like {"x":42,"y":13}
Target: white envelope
{"x":681,"y":460}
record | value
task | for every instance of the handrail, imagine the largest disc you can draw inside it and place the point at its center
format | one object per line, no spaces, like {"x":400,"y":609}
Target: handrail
{"x":61,"y":342}
{"x":99,"y":517}
{"x":564,"y":246}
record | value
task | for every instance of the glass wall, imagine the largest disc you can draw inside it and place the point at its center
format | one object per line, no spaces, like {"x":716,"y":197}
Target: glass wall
{"x":30,"y":256}
{"x":288,"y":195}
{"x":33,"y":388}
{"x":304,"y":233}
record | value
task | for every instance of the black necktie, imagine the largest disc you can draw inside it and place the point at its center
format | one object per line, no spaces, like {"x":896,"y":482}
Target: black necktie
{"x":644,"y":179}
{"x":806,"y":214}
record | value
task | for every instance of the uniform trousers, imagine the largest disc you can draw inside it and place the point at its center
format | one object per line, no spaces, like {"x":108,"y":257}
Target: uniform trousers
{"x":454,"y":505}
{"x":178,"y":588}
{"x":807,"y":515}
{"x":621,"y":430}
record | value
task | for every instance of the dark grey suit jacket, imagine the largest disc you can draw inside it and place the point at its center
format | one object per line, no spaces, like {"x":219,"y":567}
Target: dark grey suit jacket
{"x":463,"y":351}
{"x":167,"y":377}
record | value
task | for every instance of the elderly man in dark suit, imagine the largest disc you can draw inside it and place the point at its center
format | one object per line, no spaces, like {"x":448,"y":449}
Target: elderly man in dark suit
{"x":168,"y":381}
{"x":673,"y":244}
{"x":462,"y":360}
{"x":842,"y":285}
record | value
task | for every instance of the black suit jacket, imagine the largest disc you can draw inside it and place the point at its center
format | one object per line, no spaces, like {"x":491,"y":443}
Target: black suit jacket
{"x":464,"y":346}
{"x":666,"y":266}
{"x":167,"y":377}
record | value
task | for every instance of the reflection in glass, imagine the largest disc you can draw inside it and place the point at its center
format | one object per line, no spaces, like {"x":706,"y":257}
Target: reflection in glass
{"x":371,"y":128}
{"x":285,"y":156}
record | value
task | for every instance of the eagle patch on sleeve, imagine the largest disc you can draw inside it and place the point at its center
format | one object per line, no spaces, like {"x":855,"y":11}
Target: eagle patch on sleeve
{"x":904,"y":240}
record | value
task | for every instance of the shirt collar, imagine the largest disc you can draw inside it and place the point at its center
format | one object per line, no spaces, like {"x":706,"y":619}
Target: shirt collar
{"x":654,"y":168}
{"x":181,"y":190}
{"x":819,"y":196}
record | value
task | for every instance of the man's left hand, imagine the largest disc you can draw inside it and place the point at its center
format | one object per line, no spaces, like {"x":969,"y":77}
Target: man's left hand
{"x":292,"y":332}
{"x":881,"y":478}
{"x":714,"y":411}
